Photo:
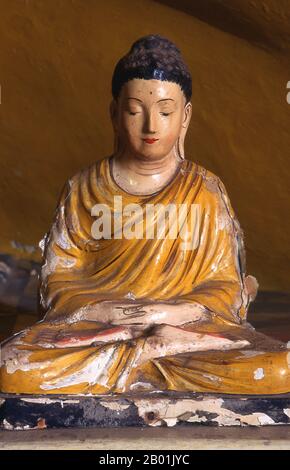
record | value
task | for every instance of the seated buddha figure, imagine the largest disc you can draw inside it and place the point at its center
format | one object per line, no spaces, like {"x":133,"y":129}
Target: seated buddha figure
{"x":143,"y":281}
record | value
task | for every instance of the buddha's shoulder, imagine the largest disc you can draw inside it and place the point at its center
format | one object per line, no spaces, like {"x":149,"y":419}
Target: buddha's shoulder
{"x":209,"y":180}
{"x":84,"y":175}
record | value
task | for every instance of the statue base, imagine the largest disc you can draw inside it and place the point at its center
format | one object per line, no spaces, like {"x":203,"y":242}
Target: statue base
{"x":24,"y":412}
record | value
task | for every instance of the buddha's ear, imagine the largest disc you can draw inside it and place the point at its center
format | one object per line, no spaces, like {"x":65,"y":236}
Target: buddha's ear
{"x":183,"y":131}
{"x":187,"y":114}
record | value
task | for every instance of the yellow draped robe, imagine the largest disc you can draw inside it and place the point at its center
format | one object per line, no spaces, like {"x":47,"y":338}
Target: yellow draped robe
{"x":79,"y":271}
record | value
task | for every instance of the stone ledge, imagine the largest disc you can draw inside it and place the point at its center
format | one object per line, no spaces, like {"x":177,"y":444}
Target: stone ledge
{"x":21,"y":412}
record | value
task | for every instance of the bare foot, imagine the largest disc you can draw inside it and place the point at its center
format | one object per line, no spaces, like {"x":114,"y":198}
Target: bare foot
{"x":167,"y":340}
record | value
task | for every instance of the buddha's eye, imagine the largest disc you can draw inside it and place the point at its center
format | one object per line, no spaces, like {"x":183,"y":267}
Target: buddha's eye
{"x":132,"y":114}
{"x":165,"y":114}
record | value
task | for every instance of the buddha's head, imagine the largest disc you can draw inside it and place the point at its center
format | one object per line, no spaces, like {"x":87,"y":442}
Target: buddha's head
{"x":151,"y":88}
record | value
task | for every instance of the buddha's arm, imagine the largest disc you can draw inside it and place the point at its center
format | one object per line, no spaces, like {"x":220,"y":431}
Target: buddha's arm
{"x":223,"y":286}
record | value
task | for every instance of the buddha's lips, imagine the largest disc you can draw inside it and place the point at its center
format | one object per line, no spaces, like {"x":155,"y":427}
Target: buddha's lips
{"x":150,"y":141}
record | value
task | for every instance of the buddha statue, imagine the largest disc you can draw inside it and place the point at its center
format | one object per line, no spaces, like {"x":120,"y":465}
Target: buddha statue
{"x":143,"y":281}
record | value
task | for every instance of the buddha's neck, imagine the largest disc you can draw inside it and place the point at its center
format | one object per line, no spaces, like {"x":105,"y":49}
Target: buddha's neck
{"x":147,"y":167}
{"x":141,"y":176}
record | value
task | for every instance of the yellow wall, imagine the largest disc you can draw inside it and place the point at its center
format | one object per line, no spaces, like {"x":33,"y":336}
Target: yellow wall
{"x":56,"y":62}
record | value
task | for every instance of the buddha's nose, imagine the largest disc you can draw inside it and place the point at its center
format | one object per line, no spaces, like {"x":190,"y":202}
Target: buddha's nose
{"x":150,"y":124}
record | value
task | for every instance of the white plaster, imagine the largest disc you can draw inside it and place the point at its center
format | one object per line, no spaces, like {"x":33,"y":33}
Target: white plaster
{"x":7,"y":425}
{"x":50,"y":264}
{"x":141,"y":385}
{"x":75,"y":224}
{"x":95,"y":372}
{"x":171,"y":422}
{"x":223,"y":220}
{"x":121,"y":382}
{"x":67,"y":263}
{"x":166,"y":409}
{"x":259,"y":374}
{"x":213,"y":378}
{"x":264,"y":419}
{"x":115,"y":405}
{"x":11,"y":368}
{"x":196,"y":419}
{"x":78,"y":315}
{"x":42,"y":242}
{"x":130,"y":295}
{"x":23,"y":428}
{"x":14,"y":360}
{"x":47,"y":401}
{"x":249,"y":353}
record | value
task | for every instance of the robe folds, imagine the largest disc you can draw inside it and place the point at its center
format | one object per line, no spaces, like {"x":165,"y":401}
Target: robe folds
{"x":80,"y":270}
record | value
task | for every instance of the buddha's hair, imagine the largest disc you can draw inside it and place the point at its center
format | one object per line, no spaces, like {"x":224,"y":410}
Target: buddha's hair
{"x":152,"y":57}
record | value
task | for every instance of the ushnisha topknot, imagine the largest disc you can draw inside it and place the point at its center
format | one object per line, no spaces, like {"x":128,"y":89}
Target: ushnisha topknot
{"x":152,"y":57}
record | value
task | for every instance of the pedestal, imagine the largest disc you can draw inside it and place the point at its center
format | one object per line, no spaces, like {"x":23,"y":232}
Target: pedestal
{"x":153,"y":409}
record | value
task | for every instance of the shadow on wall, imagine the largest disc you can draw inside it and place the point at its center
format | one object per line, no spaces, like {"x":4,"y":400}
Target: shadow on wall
{"x":264,"y":24}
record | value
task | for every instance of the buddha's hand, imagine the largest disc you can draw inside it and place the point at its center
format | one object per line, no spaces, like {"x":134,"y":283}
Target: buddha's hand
{"x":75,"y":338}
{"x":149,"y":314}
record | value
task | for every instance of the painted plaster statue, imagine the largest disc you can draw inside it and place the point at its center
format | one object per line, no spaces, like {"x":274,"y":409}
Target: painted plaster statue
{"x":143,"y":280}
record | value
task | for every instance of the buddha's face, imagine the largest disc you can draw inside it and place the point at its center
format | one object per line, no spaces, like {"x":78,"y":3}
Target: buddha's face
{"x":149,"y":116}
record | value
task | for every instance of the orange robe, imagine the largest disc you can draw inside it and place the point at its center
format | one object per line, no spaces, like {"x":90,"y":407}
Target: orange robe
{"x":80,"y":271}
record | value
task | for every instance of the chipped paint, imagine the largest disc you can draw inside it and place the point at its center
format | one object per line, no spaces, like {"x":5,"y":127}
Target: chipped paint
{"x":211,"y":183}
{"x":62,"y":238}
{"x":115,"y":405}
{"x":196,"y":419}
{"x":131,"y":364}
{"x":7,"y":425}
{"x":264,"y":419}
{"x":50,"y":264}
{"x":213,"y":378}
{"x":42,"y":243}
{"x":157,"y":412}
{"x":79,"y":314}
{"x":250,"y":353}
{"x":13,"y":360}
{"x":171,"y":422}
{"x":154,"y":412}
{"x":259,"y":374}
{"x":141,"y":386}
{"x":47,"y":401}
{"x":130,"y":295}
{"x":96,"y":372}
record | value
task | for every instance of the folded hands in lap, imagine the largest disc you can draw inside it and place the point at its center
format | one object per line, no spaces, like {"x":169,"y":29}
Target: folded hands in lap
{"x":129,"y":320}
